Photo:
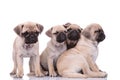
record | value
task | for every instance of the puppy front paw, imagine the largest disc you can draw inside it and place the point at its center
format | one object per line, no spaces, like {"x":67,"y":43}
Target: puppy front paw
{"x":39,"y":74}
{"x":53,"y":74}
{"x":45,"y":72}
{"x":103,"y":74}
{"x":85,"y":76}
{"x":31,"y":74}
{"x":13,"y":73}
{"x":18,"y":75}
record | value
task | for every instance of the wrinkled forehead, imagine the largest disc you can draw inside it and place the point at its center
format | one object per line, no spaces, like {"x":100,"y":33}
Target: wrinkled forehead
{"x":30,"y":28}
{"x":74,"y":26}
{"x":58,"y":28}
{"x":94,"y":27}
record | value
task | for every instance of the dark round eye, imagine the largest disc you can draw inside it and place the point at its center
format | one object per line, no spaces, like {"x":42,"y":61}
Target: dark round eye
{"x":96,"y":31}
{"x":36,"y":33}
{"x":22,"y":26}
{"x":25,"y":33}
{"x":69,"y":29}
{"x":79,"y":30}
{"x":56,"y":33}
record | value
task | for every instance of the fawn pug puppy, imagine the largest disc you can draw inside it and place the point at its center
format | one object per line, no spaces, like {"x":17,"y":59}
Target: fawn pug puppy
{"x":83,"y":55}
{"x":55,"y":47}
{"x":26,"y":45}
{"x":73,"y":34}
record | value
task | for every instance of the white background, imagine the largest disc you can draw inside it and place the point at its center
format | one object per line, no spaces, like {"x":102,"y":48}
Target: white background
{"x":54,"y":12}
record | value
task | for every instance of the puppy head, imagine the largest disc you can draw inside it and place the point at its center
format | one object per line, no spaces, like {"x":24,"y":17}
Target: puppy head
{"x":73,"y":34}
{"x":57,"y":33}
{"x":29,"y":31}
{"x":94,"y":32}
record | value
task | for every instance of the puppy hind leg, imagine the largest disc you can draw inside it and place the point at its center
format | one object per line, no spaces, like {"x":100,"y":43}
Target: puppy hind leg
{"x":86,"y":70}
{"x":74,"y":75}
{"x":97,"y":74}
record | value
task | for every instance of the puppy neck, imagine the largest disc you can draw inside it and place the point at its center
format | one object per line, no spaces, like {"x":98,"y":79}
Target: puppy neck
{"x":87,"y":41}
{"x":28,"y":46}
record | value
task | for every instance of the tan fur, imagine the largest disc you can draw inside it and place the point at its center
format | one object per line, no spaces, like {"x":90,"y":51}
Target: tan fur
{"x":50,"y":55}
{"x":81,"y":57}
{"x":21,"y":50}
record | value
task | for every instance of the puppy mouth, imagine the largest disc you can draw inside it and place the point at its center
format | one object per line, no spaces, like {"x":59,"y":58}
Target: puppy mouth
{"x":31,"y":41}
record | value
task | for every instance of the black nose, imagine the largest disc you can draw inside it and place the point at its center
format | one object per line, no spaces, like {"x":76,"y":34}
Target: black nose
{"x":61,"y":37}
{"x":73,"y":35}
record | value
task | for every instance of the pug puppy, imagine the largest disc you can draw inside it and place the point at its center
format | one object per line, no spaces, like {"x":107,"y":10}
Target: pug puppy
{"x":26,"y":44}
{"x":73,"y":34}
{"x":55,"y":47}
{"x":82,"y":57}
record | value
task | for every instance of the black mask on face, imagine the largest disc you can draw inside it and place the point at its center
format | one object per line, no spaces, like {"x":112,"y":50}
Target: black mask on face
{"x":101,"y":36}
{"x":61,"y":37}
{"x":73,"y":34}
{"x":30,"y":37}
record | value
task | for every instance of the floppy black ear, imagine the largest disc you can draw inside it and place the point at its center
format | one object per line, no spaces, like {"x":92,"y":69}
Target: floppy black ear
{"x":18,"y":29}
{"x":86,"y":34}
{"x":40,"y":27}
{"x":49,"y":32}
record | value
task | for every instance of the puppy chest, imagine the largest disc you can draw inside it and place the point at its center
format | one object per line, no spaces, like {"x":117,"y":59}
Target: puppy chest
{"x":56,"y":56}
{"x":28,"y":53}
{"x":94,"y":54}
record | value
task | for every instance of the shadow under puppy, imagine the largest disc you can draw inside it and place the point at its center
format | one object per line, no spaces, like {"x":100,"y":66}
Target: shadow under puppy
{"x":55,"y":47}
{"x":26,"y":45}
{"x":83,"y":55}
{"x":73,"y":34}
